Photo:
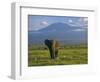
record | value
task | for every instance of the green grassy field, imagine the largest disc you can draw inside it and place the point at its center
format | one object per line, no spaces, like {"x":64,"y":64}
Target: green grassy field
{"x":68,"y":55}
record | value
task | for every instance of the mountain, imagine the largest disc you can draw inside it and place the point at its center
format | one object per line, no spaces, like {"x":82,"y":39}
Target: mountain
{"x":59,"y":27}
{"x":60,"y":31}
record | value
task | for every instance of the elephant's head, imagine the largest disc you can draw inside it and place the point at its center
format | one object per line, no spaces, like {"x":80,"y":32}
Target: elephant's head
{"x":53,"y":47}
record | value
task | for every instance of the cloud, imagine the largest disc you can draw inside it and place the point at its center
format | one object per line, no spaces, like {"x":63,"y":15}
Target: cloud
{"x":79,"y":30}
{"x":84,"y":20}
{"x":44,"y":23}
{"x":70,"y":21}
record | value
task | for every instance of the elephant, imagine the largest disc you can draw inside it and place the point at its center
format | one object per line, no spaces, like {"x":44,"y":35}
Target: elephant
{"x":53,"y":47}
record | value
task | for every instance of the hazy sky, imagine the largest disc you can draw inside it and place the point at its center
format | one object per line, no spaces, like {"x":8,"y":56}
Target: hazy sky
{"x":36,"y":22}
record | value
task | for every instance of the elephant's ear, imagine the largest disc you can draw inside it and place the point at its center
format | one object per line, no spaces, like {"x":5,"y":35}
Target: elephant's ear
{"x":46,"y":42}
{"x":57,"y":44}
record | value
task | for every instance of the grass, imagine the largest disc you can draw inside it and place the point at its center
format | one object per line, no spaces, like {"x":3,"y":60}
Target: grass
{"x":68,"y":55}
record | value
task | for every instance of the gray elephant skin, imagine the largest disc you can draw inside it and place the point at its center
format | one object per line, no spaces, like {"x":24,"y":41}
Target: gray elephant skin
{"x":53,"y":46}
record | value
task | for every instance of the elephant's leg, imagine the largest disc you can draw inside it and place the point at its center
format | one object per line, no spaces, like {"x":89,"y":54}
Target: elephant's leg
{"x":51,"y":53}
{"x":56,"y":53}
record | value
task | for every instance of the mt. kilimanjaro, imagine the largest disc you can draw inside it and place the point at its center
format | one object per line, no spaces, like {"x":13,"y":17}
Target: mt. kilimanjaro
{"x":60,"y":31}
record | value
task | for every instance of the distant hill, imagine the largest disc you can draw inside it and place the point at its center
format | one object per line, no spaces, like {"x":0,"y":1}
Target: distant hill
{"x":59,"y":31}
{"x":58,"y":27}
